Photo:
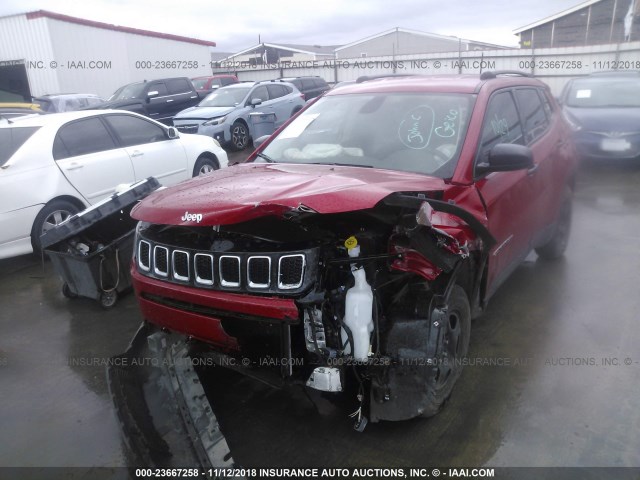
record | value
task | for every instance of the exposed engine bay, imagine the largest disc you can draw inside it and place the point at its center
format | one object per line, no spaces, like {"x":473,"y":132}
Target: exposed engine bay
{"x":374,"y":303}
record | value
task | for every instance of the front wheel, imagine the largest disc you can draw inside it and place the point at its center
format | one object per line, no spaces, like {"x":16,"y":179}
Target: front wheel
{"x":204,"y":165}
{"x":556,"y":247}
{"x":453,"y":345}
{"x":239,"y":136}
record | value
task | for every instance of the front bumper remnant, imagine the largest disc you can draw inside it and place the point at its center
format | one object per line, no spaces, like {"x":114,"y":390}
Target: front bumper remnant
{"x":166,"y":418}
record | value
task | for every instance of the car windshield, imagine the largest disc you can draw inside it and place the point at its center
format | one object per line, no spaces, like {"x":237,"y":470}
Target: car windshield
{"x":604,"y":92}
{"x":413,"y":132}
{"x":128,"y":91}
{"x":225,"y":97}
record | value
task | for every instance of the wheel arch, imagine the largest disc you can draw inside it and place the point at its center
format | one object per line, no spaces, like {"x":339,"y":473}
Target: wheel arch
{"x":208,"y":155}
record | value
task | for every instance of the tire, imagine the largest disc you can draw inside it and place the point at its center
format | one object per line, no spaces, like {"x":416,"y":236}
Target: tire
{"x":454,"y":341}
{"x":557,"y":245}
{"x":52,"y":214}
{"x":204,"y":165}
{"x":108,"y":299}
{"x":239,"y":136}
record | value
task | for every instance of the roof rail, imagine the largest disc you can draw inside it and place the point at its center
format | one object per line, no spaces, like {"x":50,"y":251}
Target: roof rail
{"x":366,"y":78}
{"x":489,"y":74}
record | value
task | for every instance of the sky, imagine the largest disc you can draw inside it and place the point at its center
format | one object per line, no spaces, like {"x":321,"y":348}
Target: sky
{"x":238,"y":24}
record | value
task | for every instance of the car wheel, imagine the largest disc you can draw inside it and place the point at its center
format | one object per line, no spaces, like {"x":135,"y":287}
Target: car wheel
{"x":239,"y":136}
{"x":204,"y":165}
{"x":453,"y":343}
{"x":556,"y":247}
{"x":51,"y":215}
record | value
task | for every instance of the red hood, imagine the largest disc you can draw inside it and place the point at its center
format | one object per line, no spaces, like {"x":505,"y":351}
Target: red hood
{"x":244,"y":192}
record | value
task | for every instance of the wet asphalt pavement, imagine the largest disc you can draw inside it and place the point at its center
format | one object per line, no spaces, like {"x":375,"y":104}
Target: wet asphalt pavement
{"x":553,"y":377}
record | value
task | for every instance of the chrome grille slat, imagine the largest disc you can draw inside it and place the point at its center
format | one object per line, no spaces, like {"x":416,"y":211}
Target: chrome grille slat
{"x":161,"y":261}
{"x":259,"y":271}
{"x":229,"y":270}
{"x":180,"y":265}
{"x":203,"y":267}
{"x":144,"y":255}
{"x":288,"y":268}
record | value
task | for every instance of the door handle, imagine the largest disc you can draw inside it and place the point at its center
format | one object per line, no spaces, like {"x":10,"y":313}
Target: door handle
{"x":137,"y":153}
{"x":170,"y":100}
{"x":533,"y":170}
{"x":74,"y":166}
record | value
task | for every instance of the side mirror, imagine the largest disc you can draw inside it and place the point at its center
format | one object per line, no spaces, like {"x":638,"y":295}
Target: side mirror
{"x":259,"y":141}
{"x":256,"y":101}
{"x":172,"y":133}
{"x":507,"y":157}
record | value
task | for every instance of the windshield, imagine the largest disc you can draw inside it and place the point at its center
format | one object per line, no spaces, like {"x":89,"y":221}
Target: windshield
{"x":416,"y":132}
{"x":225,"y":97}
{"x":128,"y":91}
{"x":605,"y":92}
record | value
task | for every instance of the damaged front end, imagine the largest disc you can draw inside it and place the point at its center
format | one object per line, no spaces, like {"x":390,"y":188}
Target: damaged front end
{"x":374,"y":302}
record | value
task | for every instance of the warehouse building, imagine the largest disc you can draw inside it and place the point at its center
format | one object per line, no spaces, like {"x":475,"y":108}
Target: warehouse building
{"x":402,"y":41}
{"x":594,"y":22}
{"x":44,"y":52}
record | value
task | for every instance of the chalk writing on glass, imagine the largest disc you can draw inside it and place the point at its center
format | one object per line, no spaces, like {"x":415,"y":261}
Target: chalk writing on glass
{"x":500,"y":126}
{"x":416,"y":127}
{"x":447,"y":129}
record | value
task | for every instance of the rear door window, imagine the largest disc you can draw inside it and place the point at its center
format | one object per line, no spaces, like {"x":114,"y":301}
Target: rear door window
{"x":11,"y":139}
{"x":81,"y":138}
{"x":276,"y":91}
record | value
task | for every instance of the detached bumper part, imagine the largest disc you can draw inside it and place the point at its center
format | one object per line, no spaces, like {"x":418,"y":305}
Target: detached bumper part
{"x":166,"y":418}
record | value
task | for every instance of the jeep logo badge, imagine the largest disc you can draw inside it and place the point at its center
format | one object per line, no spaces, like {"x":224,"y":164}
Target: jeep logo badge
{"x":191,"y":217}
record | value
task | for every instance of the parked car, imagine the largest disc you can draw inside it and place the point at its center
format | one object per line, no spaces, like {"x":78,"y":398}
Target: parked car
{"x":205,"y":85}
{"x":603,"y":110}
{"x":158,"y":99}
{"x":12,"y":110}
{"x":67,"y":102}
{"x":52,"y":166}
{"x":310,"y":87}
{"x":361,"y":239}
{"x":224,"y":114}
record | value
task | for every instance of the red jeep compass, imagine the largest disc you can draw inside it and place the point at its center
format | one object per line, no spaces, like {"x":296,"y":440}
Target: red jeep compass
{"x":352,"y":251}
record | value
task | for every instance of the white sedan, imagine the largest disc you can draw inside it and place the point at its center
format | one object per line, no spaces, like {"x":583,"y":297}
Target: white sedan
{"x":52,"y":166}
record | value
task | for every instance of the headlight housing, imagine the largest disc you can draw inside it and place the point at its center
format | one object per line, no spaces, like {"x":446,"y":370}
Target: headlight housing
{"x":215,"y":121}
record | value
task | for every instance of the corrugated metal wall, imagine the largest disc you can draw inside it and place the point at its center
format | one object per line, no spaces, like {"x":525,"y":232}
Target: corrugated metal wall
{"x":119,"y":58}
{"x":29,"y":40}
{"x":63,"y":57}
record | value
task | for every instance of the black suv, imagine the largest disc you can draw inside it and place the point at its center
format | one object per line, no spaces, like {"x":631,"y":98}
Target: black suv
{"x":158,"y":99}
{"x":310,"y":87}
